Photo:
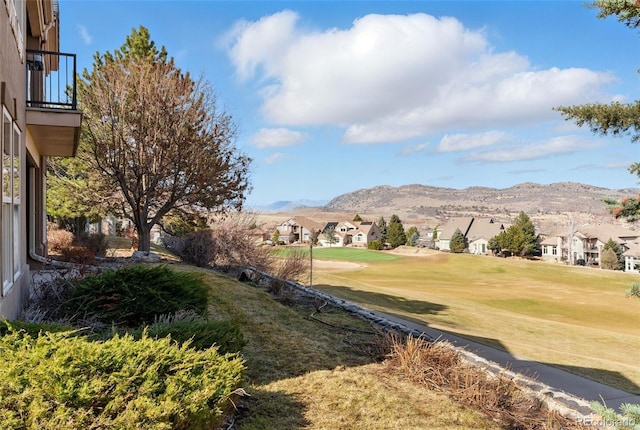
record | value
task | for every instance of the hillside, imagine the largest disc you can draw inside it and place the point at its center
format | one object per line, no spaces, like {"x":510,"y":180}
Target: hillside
{"x":422,"y":201}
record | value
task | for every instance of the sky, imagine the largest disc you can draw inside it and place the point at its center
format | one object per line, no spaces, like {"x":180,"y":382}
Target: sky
{"x":330,"y":97}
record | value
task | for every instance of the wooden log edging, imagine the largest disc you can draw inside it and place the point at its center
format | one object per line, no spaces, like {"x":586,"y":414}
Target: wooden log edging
{"x":566,"y":404}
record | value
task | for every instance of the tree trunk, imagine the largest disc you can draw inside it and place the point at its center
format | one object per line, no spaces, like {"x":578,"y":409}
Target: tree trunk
{"x":144,"y":238}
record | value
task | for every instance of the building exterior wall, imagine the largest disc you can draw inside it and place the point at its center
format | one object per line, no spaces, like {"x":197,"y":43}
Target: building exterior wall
{"x":479,"y":246}
{"x":13,"y":237}
{"x":552,"y":251}
{"x":631,"y":264}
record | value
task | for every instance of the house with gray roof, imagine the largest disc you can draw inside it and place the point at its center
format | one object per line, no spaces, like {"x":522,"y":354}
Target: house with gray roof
{"x":445,"y":232}
{"x":587,"y":243}
{"x":298,"y":230}
{"x":481,"y":231}
{"x":476,"y":231}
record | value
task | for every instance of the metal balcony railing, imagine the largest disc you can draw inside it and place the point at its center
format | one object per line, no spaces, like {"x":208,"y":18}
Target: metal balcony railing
{"x":51,"y":80}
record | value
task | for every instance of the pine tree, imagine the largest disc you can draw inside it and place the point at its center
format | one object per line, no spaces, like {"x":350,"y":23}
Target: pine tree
{"x":412,"y":236}
{"x":521,"y":237}
{"x":382,"y":225}
{"x":330,"y":234}
{"x":457,"y":243}
{"x":275,"y":237}
{"x":609,"y":259}
{"x":617,"y":249}
{"x":395,"y":232}
{"x":615,"y":118}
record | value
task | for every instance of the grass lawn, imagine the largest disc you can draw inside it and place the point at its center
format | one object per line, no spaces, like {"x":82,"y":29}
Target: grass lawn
{"x":340,"y":253}
{"x":305,"y":374}
{"x":575,"y":318}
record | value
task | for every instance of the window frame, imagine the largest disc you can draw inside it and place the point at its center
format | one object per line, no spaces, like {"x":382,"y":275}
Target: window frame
{"x":11,"y":176}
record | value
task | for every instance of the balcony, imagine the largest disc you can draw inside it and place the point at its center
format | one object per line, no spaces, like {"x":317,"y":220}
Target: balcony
{"x":53,"y":118}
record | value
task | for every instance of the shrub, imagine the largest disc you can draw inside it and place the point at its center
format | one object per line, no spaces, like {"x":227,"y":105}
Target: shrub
{"x":61,"y":381}
{"x":78,"y":255}
{"x":439,"y":367}
{"x":78,"y":249}
{"x":376,"y":245}
{"x":609,"y":259}
{"x":58,"y":239}
{"x":96,"y":242}
{"x":294,"y":266}
{"x":32,"y":329}
{"x":134,"y":295}
{"x":228,"y":243}
{"x":198,"y":248}
{"x":200,"y":334}
{"x":628,"y":419}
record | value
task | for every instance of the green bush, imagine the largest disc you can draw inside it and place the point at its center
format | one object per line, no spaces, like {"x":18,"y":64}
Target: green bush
{"x":375,"y":244}
{"x":135,"y":295}
{"x":628,"y":419}
{"x":58,"y":381}
{"x":96,"y":242}
{"x":200,"y":334}
{"x":33,"y":329}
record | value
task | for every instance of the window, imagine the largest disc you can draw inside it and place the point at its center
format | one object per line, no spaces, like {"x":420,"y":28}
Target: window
{"x":10,"y":139}
{"x":16,"y":9}
{"x":554,"y":250}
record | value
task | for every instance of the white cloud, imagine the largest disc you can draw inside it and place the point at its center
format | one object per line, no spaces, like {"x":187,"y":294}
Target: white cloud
{"x":261,"y":43}
{"x":395,"y":77}
{"x":274,"y":158}
{"x":535,"y":150}
{"x":84,"y":35}
{"x":411,"y":150}
{"x":463,"y":142}
{"x":276,"y":138}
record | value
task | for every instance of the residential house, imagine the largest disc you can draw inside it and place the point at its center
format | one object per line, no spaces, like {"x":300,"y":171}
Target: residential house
{"x":298,"y":230}
{"x":287,"y":231}
{"x":481,"y":231}
{"x":445,"y":232}
{"x":632,"y":257}
{"x":365,"y":233}
{"x":596,"y":237}
{"x":586,"y":243}
{"x":352,"y":233}
{"x":564,"y":246}
{"x":476,"y":231}
{"x":39,"y":119}
{"x":339,"y":238}
{"x":552,"y":247}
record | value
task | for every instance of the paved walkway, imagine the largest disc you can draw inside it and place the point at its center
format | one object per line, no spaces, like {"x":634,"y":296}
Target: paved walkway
{"x":560,"y":380}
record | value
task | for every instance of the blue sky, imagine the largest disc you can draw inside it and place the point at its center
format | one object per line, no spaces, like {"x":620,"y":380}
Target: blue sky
{"x":332,"y":97}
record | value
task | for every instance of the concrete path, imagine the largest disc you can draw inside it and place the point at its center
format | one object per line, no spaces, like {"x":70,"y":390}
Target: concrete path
{"x":561,"y":381}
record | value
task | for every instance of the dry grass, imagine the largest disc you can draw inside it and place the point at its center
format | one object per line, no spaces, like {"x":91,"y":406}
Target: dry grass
{"x":509,"y":304}
{"x":324,"y":372}
{"x":439,"y":368}
{"x":316,"y":367}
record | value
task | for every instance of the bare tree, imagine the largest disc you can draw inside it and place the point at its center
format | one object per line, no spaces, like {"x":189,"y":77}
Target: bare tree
{"x":158,"y":138}
{"x":228,"y":243}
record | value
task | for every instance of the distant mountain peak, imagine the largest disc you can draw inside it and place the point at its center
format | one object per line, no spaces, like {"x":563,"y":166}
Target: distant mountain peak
{"x":288,"y":205}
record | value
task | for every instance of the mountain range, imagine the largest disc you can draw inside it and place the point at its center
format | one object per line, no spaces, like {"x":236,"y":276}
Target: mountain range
{"x":549,"y":206}
{"x":423,"y":201}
